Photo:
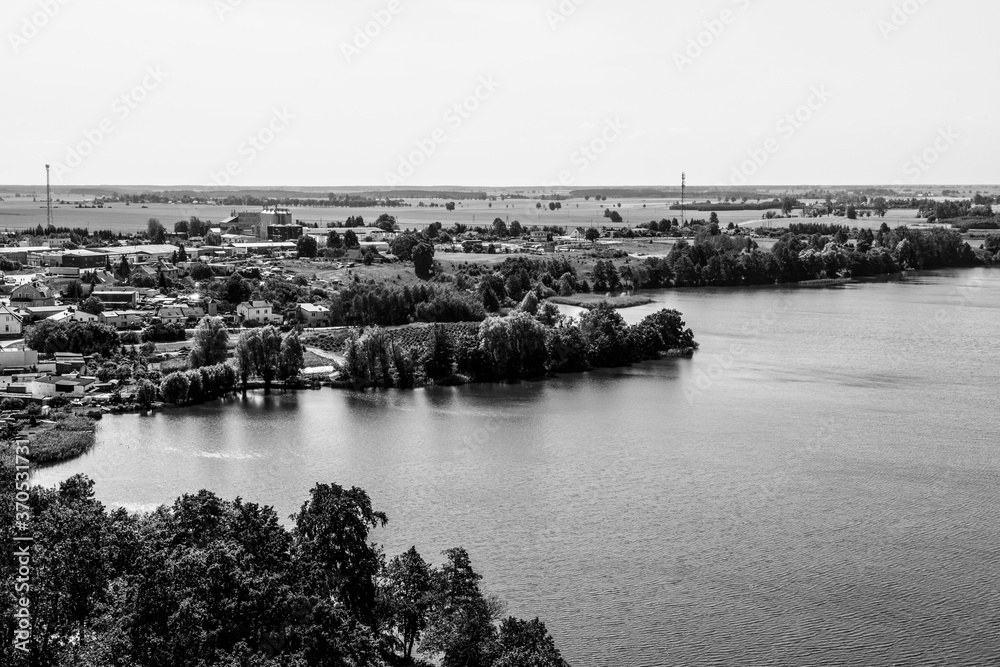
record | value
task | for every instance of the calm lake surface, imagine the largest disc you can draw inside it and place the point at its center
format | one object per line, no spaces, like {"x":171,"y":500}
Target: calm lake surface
{"x":819,"y":485}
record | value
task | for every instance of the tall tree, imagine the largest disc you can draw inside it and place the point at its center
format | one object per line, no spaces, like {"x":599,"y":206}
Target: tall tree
{"x":210,"y":343}
{"x":423,"y":261}
{"x":291,"y":357}
{"x":331,"y":545}
{"x":407,"y":586}
{"x":155,"y":231}
{"x":461,"y":619}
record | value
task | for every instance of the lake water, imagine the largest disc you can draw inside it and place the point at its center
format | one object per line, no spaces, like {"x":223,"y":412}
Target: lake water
{"x":819,"y":485}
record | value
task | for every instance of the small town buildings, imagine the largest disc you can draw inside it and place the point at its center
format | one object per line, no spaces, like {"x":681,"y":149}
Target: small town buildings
{"x":60,"y":385}
{"x":11,"y":323}
{"x":313,"y":315}
{"x":171,"y":315}
{"x":18,"y":359}
{"x":257,"y":311}
{"x":138,"y":253}
{"x":32,"y":294}
{"x":74,"y":315}
{"x":122,"y":319}
{"x":17,"y":382}
{"x":84,"y":259}
{"x":117,"y":298}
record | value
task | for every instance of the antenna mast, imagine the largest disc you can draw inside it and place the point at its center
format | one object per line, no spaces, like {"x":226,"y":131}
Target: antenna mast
{"x":48,"y":196}
{"x":683,"y":189}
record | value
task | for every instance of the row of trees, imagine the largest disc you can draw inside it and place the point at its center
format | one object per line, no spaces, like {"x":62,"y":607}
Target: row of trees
{"x":219,"y":583}
{"x":368,"y":304}
{"x":518,"y":346}
{"x":266,"y":354}
{"x":725,"y":260}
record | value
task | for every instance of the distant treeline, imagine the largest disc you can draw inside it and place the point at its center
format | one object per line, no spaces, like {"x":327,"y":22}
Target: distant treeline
{"x":756,"y":206}
{"x":332,"y":200}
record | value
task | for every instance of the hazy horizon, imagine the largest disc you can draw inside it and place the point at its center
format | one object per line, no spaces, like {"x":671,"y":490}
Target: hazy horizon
{"x":564,"y":93}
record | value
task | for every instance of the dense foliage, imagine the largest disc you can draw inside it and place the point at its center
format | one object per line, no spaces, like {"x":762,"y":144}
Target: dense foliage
{"x":49,"y":337}
{"x":367,"y":304}
{"x":507,"y":348}
{"x":213,"y":583}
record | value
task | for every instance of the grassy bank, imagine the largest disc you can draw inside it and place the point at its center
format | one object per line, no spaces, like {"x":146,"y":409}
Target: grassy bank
{"x":69,"y":437}
{"x":593,"y":300}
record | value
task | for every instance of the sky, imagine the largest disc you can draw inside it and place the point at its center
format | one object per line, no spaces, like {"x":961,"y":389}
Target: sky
{"x":551,"y":93}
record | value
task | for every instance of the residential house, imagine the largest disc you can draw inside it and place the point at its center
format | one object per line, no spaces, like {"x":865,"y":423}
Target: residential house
{"x":193,"y":312}
{"x":74,"y":315}
{"x":117,"y":298}
{"x":121,"y":319}
{"x":32,"y":294}
{"x":10,"y":322}
{"x":257,"y":311}
{"x":313,"y":315}
{"x":171,"y":315}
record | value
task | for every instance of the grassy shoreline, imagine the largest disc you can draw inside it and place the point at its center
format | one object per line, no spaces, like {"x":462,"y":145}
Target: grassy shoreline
{"x":594,"y":300}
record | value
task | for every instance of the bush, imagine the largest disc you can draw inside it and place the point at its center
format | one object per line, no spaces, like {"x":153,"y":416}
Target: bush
{"x":14,"y":404}
{"x":57,"y":402}
{"x":163,"y":333}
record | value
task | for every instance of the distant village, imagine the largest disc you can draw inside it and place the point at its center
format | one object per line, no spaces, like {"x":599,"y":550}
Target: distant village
{"x":57,"y":280}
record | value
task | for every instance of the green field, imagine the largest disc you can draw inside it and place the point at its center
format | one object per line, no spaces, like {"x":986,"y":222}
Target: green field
{"x":21,"y":213}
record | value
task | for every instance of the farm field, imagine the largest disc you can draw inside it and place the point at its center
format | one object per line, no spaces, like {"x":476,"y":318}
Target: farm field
{"x":21,"y":213}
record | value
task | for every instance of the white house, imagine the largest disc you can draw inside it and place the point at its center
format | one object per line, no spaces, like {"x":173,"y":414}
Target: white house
{"x":257,"y":311}
{"x":74,"y":315}
{"x":313,"y":315}
{"x":10,"y":322}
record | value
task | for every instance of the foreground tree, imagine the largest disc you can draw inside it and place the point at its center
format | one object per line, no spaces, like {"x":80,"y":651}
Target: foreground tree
{"x":406,"y":589}
{"x":525,"y":644}
{"x":332,"y":548}
{"x":460,"y":626}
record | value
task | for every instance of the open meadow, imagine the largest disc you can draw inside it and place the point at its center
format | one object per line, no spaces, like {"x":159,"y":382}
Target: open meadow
{"x":21,"y":213}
